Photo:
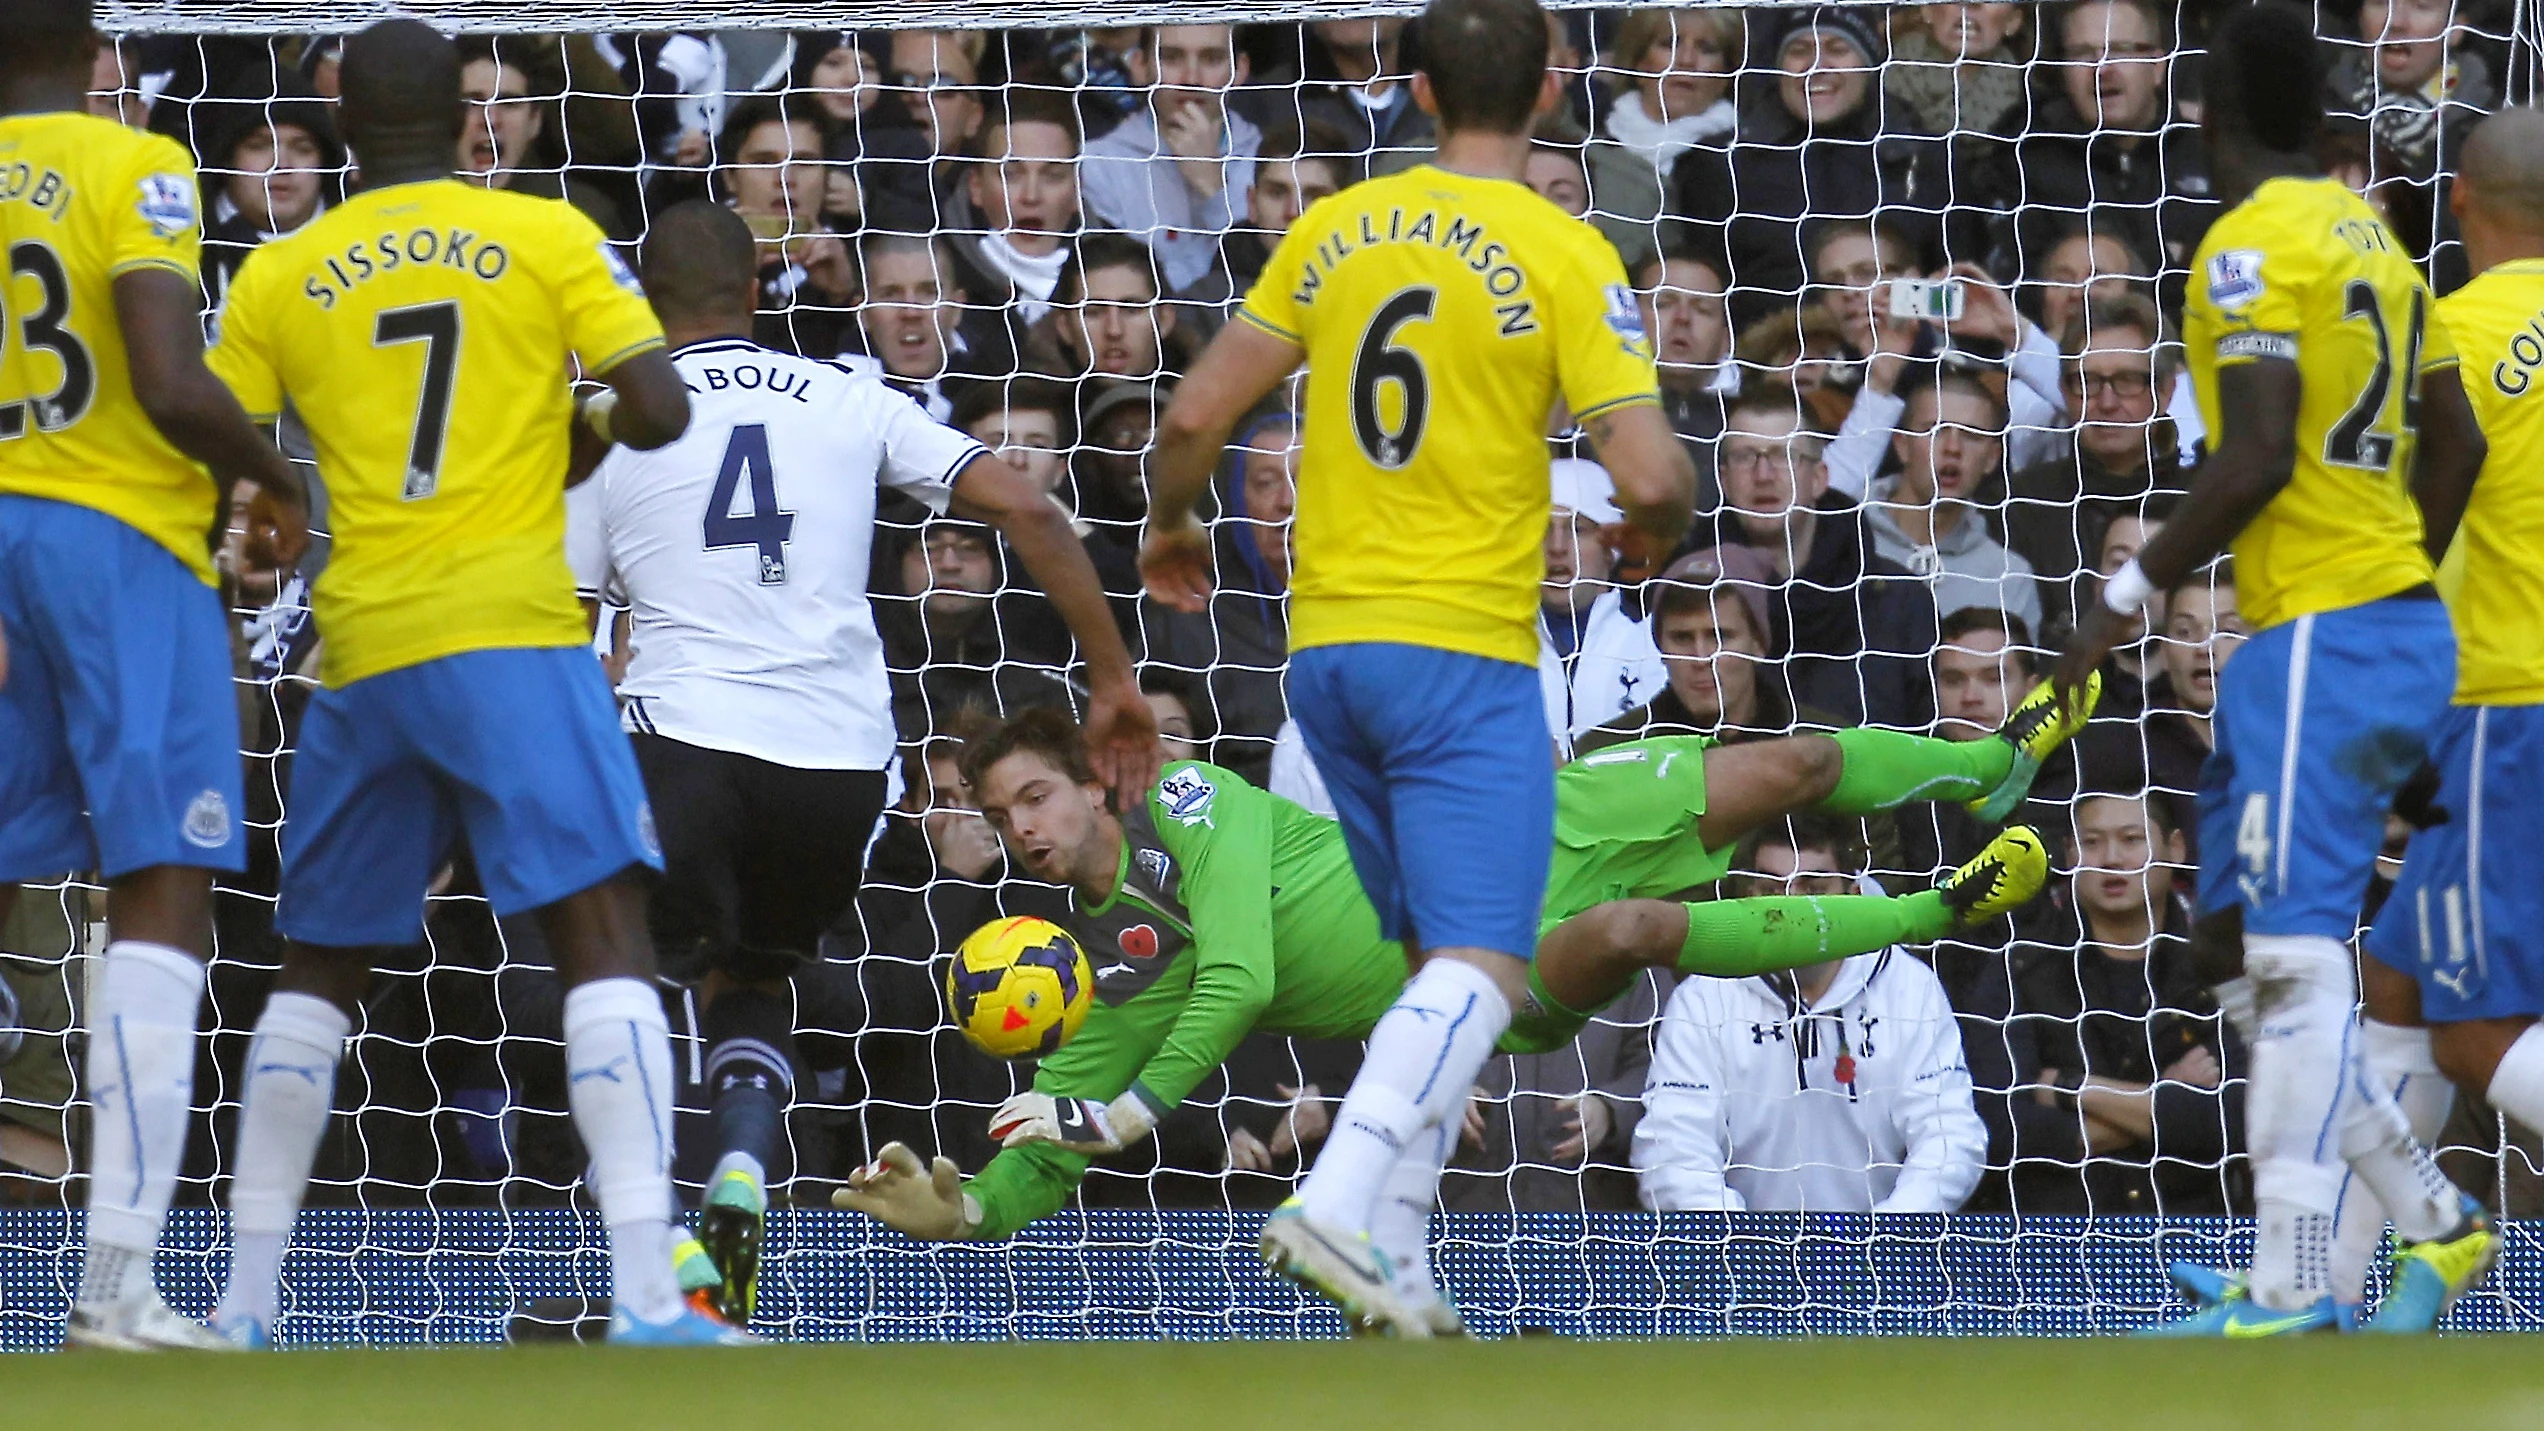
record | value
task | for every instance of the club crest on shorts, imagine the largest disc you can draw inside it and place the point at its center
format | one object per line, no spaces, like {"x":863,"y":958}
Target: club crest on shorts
{"x":167,"y":204}
{"x":1187,"y":796}
{"x":645,"y":833}
{"x":207,"y":821}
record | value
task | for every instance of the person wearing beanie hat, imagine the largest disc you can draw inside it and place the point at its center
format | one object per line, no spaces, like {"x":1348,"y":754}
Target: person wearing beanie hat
{"x":269,"y":166}
{"x":1818,"y":147}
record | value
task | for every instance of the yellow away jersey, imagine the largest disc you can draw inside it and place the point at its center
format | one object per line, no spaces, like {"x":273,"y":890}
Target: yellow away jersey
{"x":1442,"y":316}
{"x":83,"y":201}
{"x":2305,"y":270}
{"x":422,"y":331}
{"x":2494,"y":574}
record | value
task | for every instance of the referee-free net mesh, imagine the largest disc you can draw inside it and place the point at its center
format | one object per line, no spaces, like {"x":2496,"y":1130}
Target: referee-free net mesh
{"x":1961,"y":485}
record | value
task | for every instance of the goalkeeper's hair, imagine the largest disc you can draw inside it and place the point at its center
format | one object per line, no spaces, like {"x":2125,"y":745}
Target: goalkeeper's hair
{"x":699,"y":261}
{"x":39,"y":36}
{"x":2264,"y":78}
{"x":1045,"y":731}
{"x":1486,"y":60}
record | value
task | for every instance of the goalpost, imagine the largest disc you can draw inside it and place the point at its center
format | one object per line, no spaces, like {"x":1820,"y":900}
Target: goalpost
{"x":448,"y":1199}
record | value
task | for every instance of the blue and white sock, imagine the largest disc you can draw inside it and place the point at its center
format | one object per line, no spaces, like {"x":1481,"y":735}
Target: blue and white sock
{"x":1421,"y":1066}
{"x":290,"y":1090}
{"x":2398,"y":1060}
{"x":140,"y":1075}
{"x":618,"y":1084}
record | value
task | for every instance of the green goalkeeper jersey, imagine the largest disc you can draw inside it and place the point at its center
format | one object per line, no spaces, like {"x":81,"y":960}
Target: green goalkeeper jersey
{"x":1236,"y":910}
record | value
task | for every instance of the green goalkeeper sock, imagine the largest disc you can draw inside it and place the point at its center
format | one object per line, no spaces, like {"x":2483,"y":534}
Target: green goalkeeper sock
{"x":1886,"y":769}
{"x":1545,"y":1023}
{"x":1735,"y":938}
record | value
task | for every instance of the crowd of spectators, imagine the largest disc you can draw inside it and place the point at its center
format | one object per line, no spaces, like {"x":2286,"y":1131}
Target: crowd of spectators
{"x":1032,"y":234}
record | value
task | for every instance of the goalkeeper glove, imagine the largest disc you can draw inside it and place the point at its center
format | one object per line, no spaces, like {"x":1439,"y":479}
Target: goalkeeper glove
{"x":1080,"y":1125}
{"x":926,"y":1203}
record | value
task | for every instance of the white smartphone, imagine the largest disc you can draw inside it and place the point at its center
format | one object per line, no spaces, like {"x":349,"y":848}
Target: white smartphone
{"x":1929,"y":300}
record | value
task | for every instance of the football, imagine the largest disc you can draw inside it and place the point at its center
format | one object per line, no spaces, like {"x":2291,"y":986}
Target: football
{"x":1019,"y":988}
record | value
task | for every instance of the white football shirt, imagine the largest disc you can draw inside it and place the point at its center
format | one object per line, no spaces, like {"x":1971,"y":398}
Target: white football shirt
{"x":742,"y":549}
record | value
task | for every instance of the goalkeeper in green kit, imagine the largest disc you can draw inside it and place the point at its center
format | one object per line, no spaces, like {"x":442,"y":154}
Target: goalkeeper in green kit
{"x":1216,"y":909}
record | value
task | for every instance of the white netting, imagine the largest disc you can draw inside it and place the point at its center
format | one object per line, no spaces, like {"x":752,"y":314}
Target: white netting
{"x":2061,"y":162}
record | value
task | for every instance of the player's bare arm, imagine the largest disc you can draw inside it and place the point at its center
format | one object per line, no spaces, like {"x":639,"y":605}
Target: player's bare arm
{"x":161,"y":317}
{"x":1241,"y":366}
{"x":2252,"y":463}
{"x":647,"y":406}
{"x":1121,"y":730}
{"x":1655,"y":480}
{"x":2448,"y":459}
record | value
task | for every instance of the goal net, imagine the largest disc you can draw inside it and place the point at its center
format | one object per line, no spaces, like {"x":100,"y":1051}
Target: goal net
{"x":2004,"y":1132}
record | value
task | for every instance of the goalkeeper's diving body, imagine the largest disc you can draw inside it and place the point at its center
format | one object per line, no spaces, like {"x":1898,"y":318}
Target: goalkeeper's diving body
{"x":1215,"y":909}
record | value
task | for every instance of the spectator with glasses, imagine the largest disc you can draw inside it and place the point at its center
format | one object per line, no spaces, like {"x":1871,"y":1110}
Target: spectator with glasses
{"x":1855,"y":625}
{"x":2122,"y":360}
{"x":2106,"y":145}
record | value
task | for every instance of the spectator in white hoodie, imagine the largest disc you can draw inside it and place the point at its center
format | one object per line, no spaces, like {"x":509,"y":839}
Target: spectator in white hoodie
{"x":1594,"y":661}
{"x":1839,"y":1087}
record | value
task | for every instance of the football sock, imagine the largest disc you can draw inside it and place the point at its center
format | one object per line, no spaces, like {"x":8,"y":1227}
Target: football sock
{"x":618,"y":1084}
{"x":1886,"y":769}
{"x":1548,"y":1023}
{"x":2399,"y":1061}
{"x":2377,"y":1144}
{"x":1401,"y":1225}
{"x":290,"y":1089}
{"x":750,"y":1071}
{"x":1735,"y":938}
{"x":2304,"y":987}
{"x":2517,"y":1085}
{"x":140,"y":1072}
{"x":1421,"y":1065}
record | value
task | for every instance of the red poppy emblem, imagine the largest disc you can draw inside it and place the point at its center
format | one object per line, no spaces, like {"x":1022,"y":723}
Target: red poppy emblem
{"x":1139,"y":942}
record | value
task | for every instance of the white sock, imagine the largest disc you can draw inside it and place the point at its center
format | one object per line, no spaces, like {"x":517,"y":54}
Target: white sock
{"x":1422,"y":1061}
{"x":290,"y":1090}
{"x":2399,"y":1061}
{"x":2517,"y":1085}
{"x":618,"y":1083}
{"x":2377,"y":1144}
{"x":1401,"y":1224}
{"x":140,"y":1076}
{"x":2304,"y":991}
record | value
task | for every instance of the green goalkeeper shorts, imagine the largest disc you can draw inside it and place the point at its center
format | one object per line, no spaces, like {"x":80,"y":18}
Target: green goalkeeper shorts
{"x":1625,"y":827}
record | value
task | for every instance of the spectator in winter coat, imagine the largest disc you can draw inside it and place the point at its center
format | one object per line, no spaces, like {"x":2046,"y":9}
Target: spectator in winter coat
{"x":2109,"y":1083}
{"x":1818,"y":149}
{"x":1855,"y":627}
{"x":1681,"y":296}
{"x":1960,"y":70}
{"x":2107,"y":145}
{"x":268,"y":168}
{"x":1680,"y":64}
{"x":1174,"y":173}
{"x":2121,"y":452}
{"x":1839,"y":1087}
{"x":919,"y":324}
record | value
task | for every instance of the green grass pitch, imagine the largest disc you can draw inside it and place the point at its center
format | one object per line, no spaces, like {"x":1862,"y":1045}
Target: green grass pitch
{"x":2316,"y":1384}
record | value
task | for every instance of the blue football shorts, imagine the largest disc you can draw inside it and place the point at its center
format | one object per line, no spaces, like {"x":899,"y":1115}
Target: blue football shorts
{"x":119,"y":733}
{"x":2467,"y":915}
{"x":2319,"y":721}
{"x":520,"y":748}
{"x":1443,"y":775}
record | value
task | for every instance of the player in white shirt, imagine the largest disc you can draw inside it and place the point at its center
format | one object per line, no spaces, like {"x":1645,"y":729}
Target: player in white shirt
{"x":756,"y":695}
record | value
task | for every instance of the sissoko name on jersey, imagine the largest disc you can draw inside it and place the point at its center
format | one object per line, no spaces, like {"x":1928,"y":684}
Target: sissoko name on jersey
{"x":742,"y":550}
